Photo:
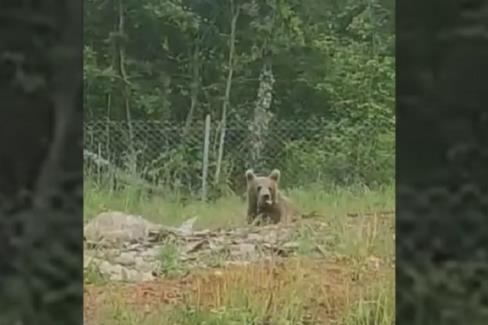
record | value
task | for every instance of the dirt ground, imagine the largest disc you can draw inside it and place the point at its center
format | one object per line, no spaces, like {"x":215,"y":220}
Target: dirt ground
{"x":326,"y":285}
{"x":334,"y":285}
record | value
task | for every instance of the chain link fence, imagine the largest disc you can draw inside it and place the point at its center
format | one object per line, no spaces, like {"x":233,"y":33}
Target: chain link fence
{"x":170,"y":154}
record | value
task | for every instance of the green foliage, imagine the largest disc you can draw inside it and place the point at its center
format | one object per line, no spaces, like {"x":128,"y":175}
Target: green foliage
{"x":344,"y":155}
{"x":173,"y":166}
{"x":353,"y":284}
{"x":169,"y":259}
{"x":332,"y":60}
{"x":92,"y":275}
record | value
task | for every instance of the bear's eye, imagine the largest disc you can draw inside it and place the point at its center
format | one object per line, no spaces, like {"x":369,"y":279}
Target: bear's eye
{"x":270,"y":189}
{"x":259,"y":188}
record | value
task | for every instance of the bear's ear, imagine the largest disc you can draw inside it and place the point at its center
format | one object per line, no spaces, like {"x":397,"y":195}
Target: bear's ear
{"x":275,"y":175}
{"x":250,"y":175}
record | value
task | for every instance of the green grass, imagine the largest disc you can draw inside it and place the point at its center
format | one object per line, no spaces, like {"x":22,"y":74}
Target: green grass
{"x":230,"y":211}
{"x":256,"y":295}
{"x":183,"y":316}
{"x":169,"y":259}
{"x":375,"y":307}
{"x":353,"y":289}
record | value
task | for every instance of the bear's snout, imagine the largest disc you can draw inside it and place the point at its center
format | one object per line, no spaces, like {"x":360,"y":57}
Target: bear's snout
{"x":267,"y":198}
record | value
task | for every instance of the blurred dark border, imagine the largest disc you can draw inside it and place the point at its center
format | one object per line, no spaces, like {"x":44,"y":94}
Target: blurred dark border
{"x":41,"y":178}
{"x":442,"y":162}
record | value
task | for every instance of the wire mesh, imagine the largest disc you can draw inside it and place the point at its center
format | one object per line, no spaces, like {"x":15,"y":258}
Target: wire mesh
{"x":169,"y":153}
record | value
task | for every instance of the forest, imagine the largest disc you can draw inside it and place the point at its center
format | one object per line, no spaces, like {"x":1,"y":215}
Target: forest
{"x":305,"y":86}
{"x":181,"y":98}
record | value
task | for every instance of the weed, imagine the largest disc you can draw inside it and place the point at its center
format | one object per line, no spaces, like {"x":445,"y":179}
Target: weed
{"x":341,"y":275}
{"x":92,"y":275}
{"x":169,"y":258}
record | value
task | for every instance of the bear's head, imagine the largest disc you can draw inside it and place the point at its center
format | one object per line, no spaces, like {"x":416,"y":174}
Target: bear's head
{"x":262,"y":190}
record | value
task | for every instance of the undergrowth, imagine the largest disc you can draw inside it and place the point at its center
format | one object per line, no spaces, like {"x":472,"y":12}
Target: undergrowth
{"x":229,"y":211}
{"x":353,"y":284}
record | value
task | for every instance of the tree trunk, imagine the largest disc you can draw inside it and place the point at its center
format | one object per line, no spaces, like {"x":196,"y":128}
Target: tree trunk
{"x":228,"y":85}
{"x":123,"y":74}
{"x":195,"y":83}
{"x":262,"y":115}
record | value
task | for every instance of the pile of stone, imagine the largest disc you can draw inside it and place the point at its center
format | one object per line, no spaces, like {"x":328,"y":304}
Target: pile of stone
{"x":124,"y":247}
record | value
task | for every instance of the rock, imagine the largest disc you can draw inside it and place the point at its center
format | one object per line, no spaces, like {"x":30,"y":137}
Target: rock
{"x":247,"y":248}
{"x":125,"y":259}
{"x":193,"y":247}
{"x":203,"y":233}
{"x":237,"y":263}
{"x":145,"y":266}
{"x":271,"y":237}
{"x":138,"y":258}
{"x":244,"y":251}
{"x":291,"y":245}
{"x":112,"y":271}
{"x":375,"y":262}
{"x":186,"y":227}
{"x":116,"y":228}
{"x":116,"y":272}
{"x":151,"y":252}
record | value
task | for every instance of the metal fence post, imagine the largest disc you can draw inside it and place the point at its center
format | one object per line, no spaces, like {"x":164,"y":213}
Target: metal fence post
{"x":206,"y":144}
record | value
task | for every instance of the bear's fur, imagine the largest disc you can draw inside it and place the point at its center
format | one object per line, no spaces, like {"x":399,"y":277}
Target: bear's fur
{"x":265,"y":201}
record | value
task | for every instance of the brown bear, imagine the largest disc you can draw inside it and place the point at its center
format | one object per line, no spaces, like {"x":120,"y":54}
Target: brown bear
{"x":264,"y":201}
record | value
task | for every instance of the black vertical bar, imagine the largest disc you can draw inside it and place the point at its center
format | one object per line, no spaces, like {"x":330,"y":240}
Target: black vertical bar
{"x":442,"y":160}
{"x":41,"y":177}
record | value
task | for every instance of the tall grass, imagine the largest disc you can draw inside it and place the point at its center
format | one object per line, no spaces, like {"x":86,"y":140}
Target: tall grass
{"x":354,"y":287}
{"x":303,"y":291}
{"x":229,"y":211}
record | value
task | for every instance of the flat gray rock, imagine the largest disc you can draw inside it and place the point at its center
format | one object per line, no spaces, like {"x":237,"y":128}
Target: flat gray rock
{"x":117,"y":227}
